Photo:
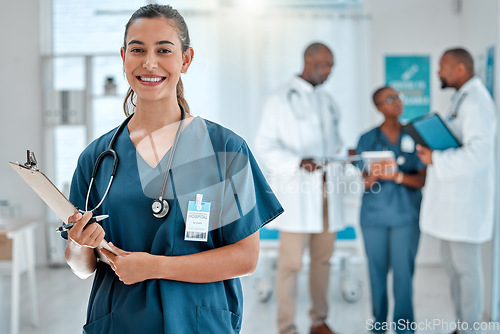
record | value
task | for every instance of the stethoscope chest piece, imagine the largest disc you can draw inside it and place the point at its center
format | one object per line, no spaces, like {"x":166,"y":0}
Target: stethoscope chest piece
{"x":160,"y":208}
{"x":401,"y":160}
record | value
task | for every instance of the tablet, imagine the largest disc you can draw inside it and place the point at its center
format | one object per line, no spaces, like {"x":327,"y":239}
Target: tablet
{"x":369,"y":157}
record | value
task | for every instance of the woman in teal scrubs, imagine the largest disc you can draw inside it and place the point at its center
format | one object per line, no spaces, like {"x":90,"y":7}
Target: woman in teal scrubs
{"x":165,"y":278}
{"x":390,"y":214}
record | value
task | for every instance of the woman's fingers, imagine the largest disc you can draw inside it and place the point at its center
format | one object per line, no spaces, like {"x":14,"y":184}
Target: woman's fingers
{"x":112,"y":265}
{"x":77,"y":229}
{"x":107,"y":254}
{"x":110,"y":256}
{"x":118,"y":250}
{"x":96,"y":236}
{"x":83,"y":234}
{"x":74,"y":217}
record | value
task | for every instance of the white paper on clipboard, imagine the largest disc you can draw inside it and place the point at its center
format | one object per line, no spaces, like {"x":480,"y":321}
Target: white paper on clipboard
{"x":49,"y":193}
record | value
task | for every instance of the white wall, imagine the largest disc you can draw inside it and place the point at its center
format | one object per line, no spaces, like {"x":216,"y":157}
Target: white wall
{"x":415,"y":27}
{"x":256,"y":52}
{"x":20,"y":94}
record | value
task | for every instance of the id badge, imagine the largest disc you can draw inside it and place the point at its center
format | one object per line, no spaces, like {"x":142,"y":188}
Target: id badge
{"x":407,"y":144}
{"x":197,"y":219}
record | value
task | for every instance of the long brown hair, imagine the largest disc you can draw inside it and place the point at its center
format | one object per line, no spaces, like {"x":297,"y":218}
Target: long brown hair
{"x":152,"y":11}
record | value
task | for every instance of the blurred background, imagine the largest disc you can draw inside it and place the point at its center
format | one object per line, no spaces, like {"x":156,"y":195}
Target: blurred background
{"x":62,"y":83}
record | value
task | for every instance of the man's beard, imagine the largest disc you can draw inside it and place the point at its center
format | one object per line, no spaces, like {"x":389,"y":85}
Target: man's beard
{"x":444,"y":84}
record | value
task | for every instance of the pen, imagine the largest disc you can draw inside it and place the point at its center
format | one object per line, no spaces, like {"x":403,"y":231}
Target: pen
{"x":92,"y":220}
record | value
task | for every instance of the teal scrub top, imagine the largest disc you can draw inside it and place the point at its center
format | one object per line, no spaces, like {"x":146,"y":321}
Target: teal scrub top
{"x":210,"y":160}
{"x":390,"y":204}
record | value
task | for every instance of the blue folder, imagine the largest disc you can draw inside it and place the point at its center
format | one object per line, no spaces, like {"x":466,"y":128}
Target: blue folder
{"x":431,"y":131}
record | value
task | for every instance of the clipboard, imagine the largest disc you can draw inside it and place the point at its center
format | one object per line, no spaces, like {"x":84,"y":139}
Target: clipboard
{"x":431,"y":131}
{"x":49,"y":193}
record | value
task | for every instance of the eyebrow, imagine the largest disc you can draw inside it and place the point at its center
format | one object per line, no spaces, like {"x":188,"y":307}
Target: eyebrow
{"x":134,"y":41}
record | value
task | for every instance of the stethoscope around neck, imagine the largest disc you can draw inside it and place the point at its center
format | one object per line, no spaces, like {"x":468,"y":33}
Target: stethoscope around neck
{"x":400,"y":159}
{"x":160,"y":206}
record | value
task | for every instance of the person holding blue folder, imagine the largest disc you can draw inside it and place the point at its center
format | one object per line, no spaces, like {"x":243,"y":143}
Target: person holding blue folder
{"x":390,"y":213}
{"x":458,"y":201}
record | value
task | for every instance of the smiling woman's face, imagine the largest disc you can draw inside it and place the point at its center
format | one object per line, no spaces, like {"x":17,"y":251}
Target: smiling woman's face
{"x":153,"y":59}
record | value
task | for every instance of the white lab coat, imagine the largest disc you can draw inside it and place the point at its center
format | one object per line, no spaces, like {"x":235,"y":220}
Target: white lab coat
{"x":458,"y":198}
{"x":301,"y":121}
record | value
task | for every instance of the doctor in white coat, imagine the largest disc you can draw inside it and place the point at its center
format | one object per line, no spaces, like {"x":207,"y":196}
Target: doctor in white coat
{"x":458,"y":199}
{"x":298,"y":131}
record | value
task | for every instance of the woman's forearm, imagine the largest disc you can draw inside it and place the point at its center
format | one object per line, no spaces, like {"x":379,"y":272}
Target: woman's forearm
{"x":214,"y":265}
{"x":414,"y":180}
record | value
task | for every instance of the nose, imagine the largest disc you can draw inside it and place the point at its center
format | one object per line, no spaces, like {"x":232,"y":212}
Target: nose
{"x":150,"y":63}
{"x":327,"y":71}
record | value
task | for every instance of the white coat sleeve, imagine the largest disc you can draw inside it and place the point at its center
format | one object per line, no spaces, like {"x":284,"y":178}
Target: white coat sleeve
{"x":271,"y":141}
{"x":478,"y":129}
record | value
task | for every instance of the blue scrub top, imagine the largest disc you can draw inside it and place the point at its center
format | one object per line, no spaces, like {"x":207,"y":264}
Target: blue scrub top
{"x":210,"y":160}
{"x":390,"y":204}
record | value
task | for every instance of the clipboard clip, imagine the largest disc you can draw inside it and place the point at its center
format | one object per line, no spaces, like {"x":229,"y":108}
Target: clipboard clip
{"x":31,"y":160}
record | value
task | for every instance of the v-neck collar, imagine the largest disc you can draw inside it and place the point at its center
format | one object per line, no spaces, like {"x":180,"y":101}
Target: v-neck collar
{"x":386,"y":139}
{"x":163,"y":159}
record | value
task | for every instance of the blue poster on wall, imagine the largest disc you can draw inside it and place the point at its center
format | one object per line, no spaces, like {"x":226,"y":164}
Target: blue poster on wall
{"x":490,"y":70}
{"x":410,"y":76}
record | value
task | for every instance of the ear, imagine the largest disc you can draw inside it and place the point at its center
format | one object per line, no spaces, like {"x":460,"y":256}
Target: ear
{"x":461,"y":69}
{"x":122,"y":53}
{"x":187,"y":58}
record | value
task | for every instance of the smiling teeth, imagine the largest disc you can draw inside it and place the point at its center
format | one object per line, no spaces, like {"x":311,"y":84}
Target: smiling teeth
{"x":151,"y":79}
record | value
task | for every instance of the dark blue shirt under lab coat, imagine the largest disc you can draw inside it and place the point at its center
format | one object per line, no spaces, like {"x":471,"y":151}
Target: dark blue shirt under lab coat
{"x":210,"y":160}
{"x":390,"y":204}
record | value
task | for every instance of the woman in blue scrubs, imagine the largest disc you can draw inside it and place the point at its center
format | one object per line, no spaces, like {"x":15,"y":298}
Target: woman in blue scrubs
{"x":390,"y":214}
{"x":179,"y":273}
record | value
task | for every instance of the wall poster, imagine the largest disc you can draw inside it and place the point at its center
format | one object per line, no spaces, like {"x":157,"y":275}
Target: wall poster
{"x":410,"y":76}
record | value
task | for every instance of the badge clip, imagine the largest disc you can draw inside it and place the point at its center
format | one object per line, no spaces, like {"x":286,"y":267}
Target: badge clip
{"x":199,"y":198}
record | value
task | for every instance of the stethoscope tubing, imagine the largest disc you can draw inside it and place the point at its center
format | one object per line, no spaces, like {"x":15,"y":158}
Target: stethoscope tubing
{"x":171,"y":156}
{"x":110,"y":151}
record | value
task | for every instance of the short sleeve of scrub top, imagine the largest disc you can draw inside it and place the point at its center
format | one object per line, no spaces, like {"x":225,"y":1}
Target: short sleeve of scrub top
{"x":209,"y":160}
{"x":388,"y":203}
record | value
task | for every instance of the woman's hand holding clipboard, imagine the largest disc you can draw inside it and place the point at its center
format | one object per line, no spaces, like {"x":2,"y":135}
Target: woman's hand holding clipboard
{"x":49,"y":193}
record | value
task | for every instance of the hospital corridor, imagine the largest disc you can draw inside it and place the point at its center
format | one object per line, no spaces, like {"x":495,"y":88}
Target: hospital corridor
{"x":250,"y":166}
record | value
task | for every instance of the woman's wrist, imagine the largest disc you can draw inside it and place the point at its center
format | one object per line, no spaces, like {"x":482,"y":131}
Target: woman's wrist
{"x":159,"y":265}
{"x":399,"y":178}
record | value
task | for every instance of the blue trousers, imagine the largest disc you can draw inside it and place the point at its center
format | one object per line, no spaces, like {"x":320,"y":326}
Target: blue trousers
{"x":392,"y":247}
